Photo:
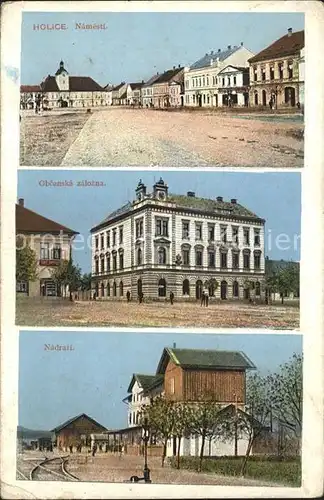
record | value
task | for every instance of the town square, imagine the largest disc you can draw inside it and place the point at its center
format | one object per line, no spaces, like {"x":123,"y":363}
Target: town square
{"x":226,"y":106}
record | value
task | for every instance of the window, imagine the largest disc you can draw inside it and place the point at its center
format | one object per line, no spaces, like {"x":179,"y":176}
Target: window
{"x":257,"y":289}
{"x":57,"y":253}
{"x":199,"y":82}
{"x":139,"y":256}
{"x":235,"y":289}
{"x":263,"y":74}
{"x":114,"y":237}
{"x":234,"y":79}
{"x":121,"y":289}
{"x":172,"y":385}
{"x":162,"y":227}
{"x":198,"y":231}
{"x":44,"y":251}
{"x":108,"y":289}
{"x":121,"y":235}
{"x":162,"y":255}
{"x":223,"y":233}
{"x":203,"y":81}
{"x":223,"y":256}
{"x":114,"y":289}
{"x":102,"y":241}
{"x":22,"y":286}
{"x":246,"y":235}
{"x":102,"y":265}
{"x":108,"y":262}
{"x":228,"y":81}
{"x":102,"y":289}
{"x":186,"y":256}
{"x":211,"y":258}
{"x":256,"y":237}
{"x":235,"y":260}
{"x":162,"y":288}
{"x":185,"y":230}
{"x":255,"y":74}
{"x":199,"y":258}
{"x":271,"y":73}
{"x":290,"y":70}
{"x":235,"y":231}
{"x":223,"y":82}
{"x":246,"y":260}
{"x":114,"y":262}
{"x":96,"y":266}
{"x":121,"y":260}
{"x":139,"y":228}
{"x":280,"y":70}
{"x":257,"y":260}
{"x":185,"y":287}
{"x":211,"y":232}
{"x":108,"y":239}
{"x":207,"y":81}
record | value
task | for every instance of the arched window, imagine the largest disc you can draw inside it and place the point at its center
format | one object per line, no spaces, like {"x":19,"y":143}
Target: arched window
{"x":162,"y":255}
{"x":235,"y":289}
{"x":102,"y":289}
{"x":114,"y":289}
{"x":139,"y":287}
{"x":185,"y":287}
{"x":108,"y":289}
{"x":199,"y":288}
{"x":223,"y":290}
{"x":257,"y":289}
{"x":121,"y":289}
{"x":162,"y":288}
{"x":139,"y":256}
{"x":264,"y":98}
{"x":256,"y":99}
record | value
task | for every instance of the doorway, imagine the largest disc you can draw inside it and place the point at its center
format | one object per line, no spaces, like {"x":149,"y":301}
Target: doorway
{"x":223,"y":290}
{"x":199,"y":287}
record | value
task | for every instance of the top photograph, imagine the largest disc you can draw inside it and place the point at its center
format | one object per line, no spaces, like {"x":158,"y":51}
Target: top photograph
{"x":162,"y":89}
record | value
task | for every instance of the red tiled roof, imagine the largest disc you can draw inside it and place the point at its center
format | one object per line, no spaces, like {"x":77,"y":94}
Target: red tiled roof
{"x":30,"y":88}
{"x":287,"y":45}
{"x":49,"y":84}
{"x":76,"y":84}
{"x":28,"y":221}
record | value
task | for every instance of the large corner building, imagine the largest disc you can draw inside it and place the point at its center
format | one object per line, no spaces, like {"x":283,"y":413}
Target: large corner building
{"x":164,"y":242}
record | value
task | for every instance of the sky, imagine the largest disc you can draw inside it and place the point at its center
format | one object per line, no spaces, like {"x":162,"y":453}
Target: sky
{"x":134,"y":46}
{"x":93,"y":378}
{"x":274,"y":196}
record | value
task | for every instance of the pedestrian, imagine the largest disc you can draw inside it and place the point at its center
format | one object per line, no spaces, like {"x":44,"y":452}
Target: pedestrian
{"x":206,"y":299}
{"x":140,"y":297}
{"x":171,"y":297}
{"x":298,"y":105}
{"x":71,"y":448}
{"x":121,"y":451}
{"x":128,"y":295}
{"x":203,"y":299}
{"x":94,"y":450}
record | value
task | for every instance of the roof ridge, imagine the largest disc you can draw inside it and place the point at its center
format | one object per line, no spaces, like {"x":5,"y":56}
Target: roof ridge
{"x":45,"y":218}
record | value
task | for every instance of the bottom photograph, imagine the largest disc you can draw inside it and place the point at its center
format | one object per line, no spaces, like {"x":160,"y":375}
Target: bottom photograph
{"x":168,"y":408}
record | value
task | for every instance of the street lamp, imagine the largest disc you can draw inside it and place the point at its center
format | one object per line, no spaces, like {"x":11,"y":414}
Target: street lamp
{"x":146,"y":437}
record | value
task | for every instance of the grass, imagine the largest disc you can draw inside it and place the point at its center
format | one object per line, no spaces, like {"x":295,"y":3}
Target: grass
{"x":268,"y":468}
{"x":44,"y":140}
{"x":61,"y":312}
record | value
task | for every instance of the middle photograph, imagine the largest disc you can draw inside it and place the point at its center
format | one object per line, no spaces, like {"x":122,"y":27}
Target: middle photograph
{"x":158,"y":249}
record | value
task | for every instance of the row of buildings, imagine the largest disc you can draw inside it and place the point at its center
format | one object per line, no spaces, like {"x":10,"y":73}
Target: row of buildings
{"x":233,"y":76}
{"x":187,"y":376}
{"x":157,"y":244}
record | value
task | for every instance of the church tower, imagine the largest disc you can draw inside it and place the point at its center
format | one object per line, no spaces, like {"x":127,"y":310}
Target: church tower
{"x":62,"y":78}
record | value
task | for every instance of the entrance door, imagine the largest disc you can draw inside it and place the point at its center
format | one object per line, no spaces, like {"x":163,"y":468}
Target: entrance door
{"x":48,"y":288}
{"x":139,"y":287}
{"x":290,"y":96}
{"x":264,"y":98}
{"x":246,"y":99}
{"x":162,"y":288}
{"x":223,"y":290}
{"x":199,"y":287}
{"x":200,"y":100}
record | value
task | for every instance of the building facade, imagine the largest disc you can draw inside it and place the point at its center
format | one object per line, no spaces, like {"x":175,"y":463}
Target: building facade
{"x":233,"y":86}
{"x":134,"y":93}
{"x":119,"y":95}
{"x":181,"y":243}
{"x":192,"y":376}
{"x":167,"y":89}
{"x":76,"y":431}
{"x":29,"y":96}
{"x":274,"y":73}
{"x":65,"y":91}
{"x":201,"y":80}
{"x":147,"y":91}
{"x":51,"y":243}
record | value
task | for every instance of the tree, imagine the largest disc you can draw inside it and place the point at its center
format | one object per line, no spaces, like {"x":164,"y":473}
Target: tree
{"x":250,"y":286}
{"x":212,"y":285}
{"x":286,"y":391}
{"x":205,"y":419}
{"x":182,"y":423}
{"x":85,"y":283}
{"x":66,"y":274}
{"x":282,"y":279}
{"x":26,"y":262}
{"x":161,"y":420}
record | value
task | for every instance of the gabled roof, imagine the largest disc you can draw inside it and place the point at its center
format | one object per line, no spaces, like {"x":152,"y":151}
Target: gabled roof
{"x":28,"y":221}
{"x":145,"y":381}
{"x":76,"y":84}
{"x":211,"y":58}
{"x":119,"y":86}
{"x":238,"y":68}
{"x":168,"y":75}
{"x":287,"y":45}
{"x":49,"y":84}
{"x":136,"y":85}
{"x":30,"y":88}
{"x":204,"y":359}
{"x":73,"y":419}
{"x":151,"y":80}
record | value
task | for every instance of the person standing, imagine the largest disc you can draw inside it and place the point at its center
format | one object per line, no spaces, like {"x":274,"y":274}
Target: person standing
{"x":128,"y":295}
{"x":206,"y":298}
{"x":203,"y":298}
{"x":171,"y":297}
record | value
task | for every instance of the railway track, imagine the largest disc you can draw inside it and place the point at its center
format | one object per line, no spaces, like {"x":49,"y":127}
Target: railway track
{"x":51,"y":469}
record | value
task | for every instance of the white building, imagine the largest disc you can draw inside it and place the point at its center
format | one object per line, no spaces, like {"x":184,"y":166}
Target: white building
{"x":147,"y":91}
{"x":201,"y":79}
{"x":233,"y":86}
{"x":301,"y":71}
{"x":163,"y":242}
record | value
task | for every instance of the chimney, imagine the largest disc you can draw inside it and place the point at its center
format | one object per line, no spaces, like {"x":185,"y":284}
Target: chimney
{"x":219,"y":198}
{"x":234,"y":201}
{"x":21,"y":202}
{"x":173,"y":67}
{"x":219,"y":50}
{"x":229,"y":47}
{"x":289,"y":31}
{"x":191,"y":194}
{"x":241,"y":44}
{"x":179,"y":65}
